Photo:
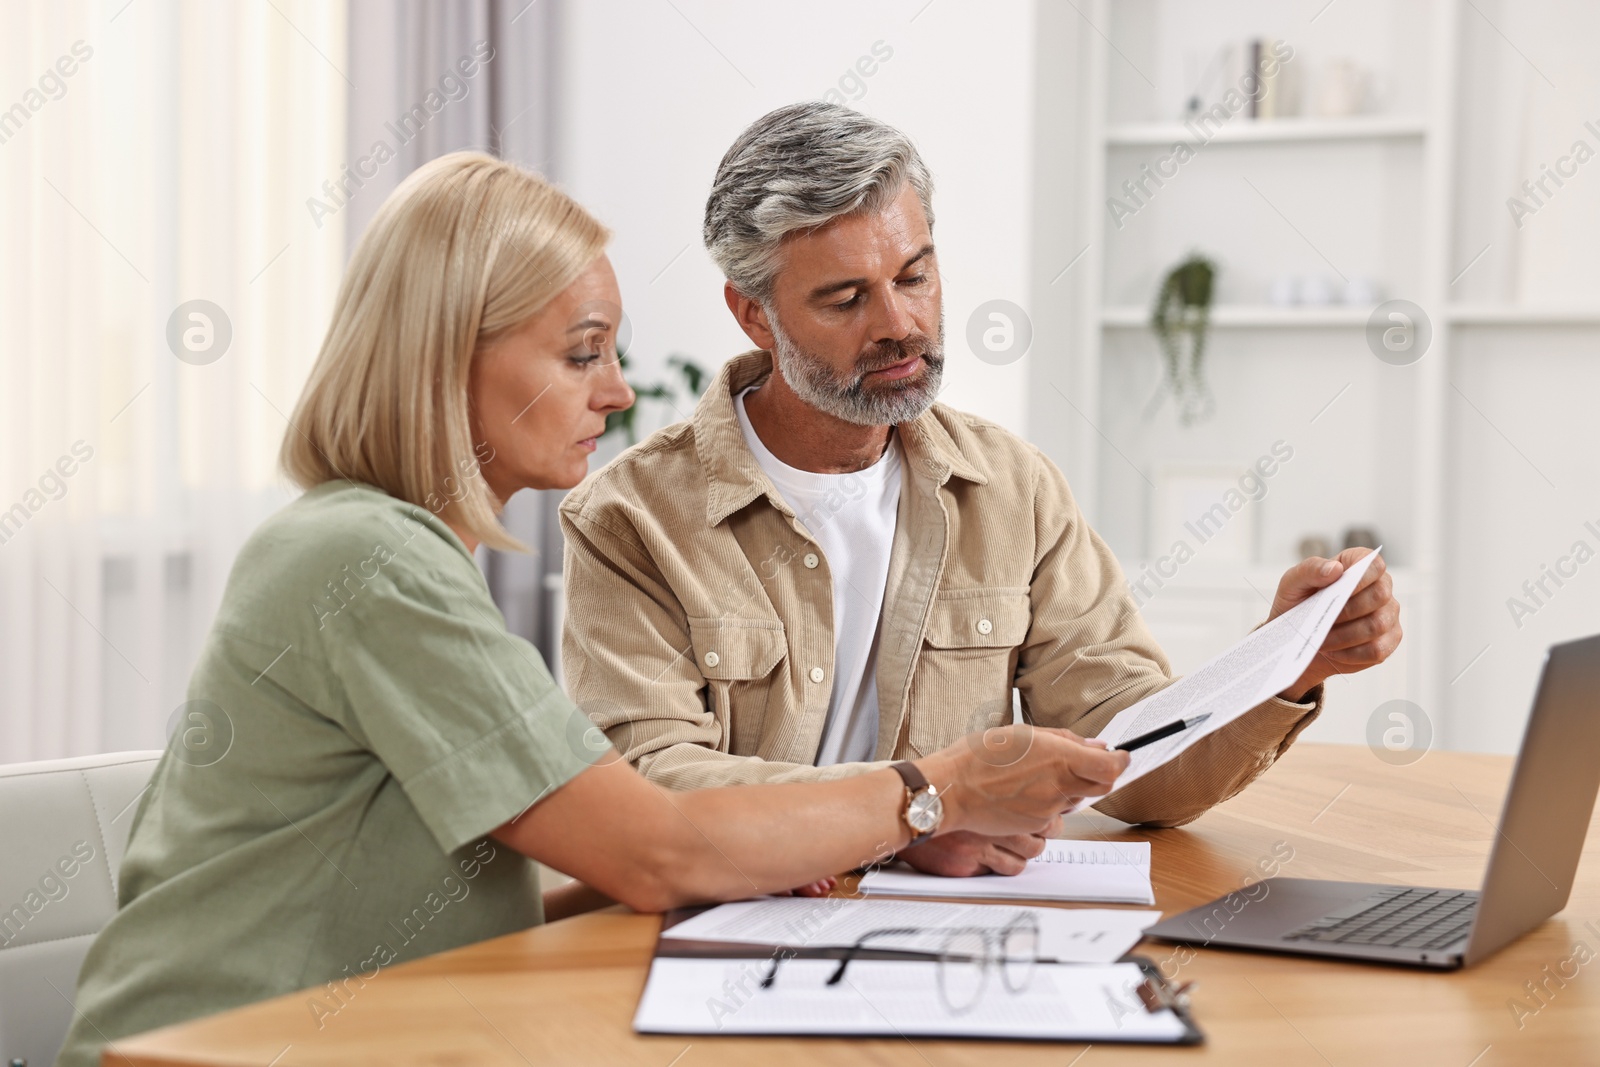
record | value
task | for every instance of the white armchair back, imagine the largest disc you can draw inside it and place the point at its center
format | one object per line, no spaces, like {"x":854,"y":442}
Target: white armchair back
{"x":63,"y":829}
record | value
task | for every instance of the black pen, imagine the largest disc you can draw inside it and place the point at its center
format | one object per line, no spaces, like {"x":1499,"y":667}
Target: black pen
{"x":1159,"y":732}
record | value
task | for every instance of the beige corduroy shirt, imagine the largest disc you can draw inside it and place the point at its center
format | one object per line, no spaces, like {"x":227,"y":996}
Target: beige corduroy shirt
{"x":699,"y":621}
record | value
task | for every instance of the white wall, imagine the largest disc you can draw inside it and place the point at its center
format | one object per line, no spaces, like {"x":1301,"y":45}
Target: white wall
{"x":1526,"y":476}
{"x":990,"y":92}
{"x":654,"y":93}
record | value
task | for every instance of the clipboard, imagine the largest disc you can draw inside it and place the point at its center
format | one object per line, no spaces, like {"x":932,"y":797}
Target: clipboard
{"x":699,"y":1016}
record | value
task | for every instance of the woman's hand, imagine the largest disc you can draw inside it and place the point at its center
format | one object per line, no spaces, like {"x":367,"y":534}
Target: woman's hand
{"x":1014,"y":780}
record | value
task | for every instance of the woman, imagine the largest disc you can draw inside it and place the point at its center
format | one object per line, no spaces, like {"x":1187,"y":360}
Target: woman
{"x":391,"y":759}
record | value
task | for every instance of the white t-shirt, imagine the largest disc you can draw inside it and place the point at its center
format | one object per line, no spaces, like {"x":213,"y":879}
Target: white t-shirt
{"x":852,"y":517}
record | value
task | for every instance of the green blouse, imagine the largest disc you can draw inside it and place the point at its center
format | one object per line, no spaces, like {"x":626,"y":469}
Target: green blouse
{"x":358,"y":721}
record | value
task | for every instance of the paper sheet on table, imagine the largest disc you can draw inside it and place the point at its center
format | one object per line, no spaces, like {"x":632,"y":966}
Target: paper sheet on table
{"x":1066,"y":935}
{"x":896,"y":998}
{"x":1105,"y":872}
{"x":1251,"y":672}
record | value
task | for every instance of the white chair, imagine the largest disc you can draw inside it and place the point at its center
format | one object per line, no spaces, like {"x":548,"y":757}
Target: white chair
{"x":63,"y":830}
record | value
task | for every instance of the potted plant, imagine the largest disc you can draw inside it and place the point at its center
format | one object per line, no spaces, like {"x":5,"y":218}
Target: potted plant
{"x":694,"y":379}
{"x":1183,"y":310}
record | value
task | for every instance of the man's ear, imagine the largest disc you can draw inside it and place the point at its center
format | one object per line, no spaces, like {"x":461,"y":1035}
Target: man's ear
{"x":750,"y":315}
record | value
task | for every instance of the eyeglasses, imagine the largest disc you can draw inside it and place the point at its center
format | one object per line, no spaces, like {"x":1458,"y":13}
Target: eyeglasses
{"x":965,"y":956}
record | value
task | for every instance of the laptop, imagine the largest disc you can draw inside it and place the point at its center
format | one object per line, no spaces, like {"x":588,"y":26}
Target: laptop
{"x":1531,"y":866}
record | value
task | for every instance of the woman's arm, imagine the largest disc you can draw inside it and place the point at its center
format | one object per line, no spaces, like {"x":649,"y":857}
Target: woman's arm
{"x":573,"y":898}
{"x":653,"y":849}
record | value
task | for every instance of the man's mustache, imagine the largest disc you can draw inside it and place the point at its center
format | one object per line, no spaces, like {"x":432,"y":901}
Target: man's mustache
{"x":886,"y":354}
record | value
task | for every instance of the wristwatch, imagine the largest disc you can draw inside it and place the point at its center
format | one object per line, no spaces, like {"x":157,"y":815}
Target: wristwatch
{"x":924,"y":809}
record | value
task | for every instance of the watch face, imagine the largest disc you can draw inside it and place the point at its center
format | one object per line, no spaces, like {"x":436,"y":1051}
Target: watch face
{"x":925,"y":811}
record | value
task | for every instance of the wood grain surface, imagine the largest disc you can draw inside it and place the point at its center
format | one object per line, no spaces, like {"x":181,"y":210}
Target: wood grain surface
{"x":566,"y":992}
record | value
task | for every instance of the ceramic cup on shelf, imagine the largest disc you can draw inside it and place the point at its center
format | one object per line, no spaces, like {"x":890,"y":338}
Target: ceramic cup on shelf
{"x":1361,"y":537}
{"x":1341,"y":89}
{"x":1360,"y":290}
{"x":1284,"y":291}
{"x":1315,"y":545}
{"x":1316,"y":290}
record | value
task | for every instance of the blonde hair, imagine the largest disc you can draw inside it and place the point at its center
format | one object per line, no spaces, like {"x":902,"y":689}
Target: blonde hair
{"x":465,"y":251}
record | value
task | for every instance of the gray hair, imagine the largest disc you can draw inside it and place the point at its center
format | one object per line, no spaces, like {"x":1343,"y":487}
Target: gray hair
{"x":798,"y":168}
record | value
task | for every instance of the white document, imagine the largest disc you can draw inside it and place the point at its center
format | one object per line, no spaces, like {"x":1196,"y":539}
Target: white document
{"x":1106,"y":872}
{"x":1226,"y":687}
{"x":896,"y":998}
{"x":1066,"y":935}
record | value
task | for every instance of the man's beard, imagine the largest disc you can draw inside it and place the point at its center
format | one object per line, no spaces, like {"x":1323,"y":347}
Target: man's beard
{"x":850,"y":398}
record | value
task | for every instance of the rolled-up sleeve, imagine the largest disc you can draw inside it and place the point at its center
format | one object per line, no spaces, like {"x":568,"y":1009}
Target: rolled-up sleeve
{"x":461,"y":712}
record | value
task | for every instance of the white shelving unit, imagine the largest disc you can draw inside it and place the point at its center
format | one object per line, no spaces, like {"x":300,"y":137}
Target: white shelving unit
{"x":1513,"y":315}
{"x":1270,"y":316}
{"x":1365,"y":127}
{"x":1468,"y":463}
{"x":1207,"y":608}
{"x":1247,"y":316}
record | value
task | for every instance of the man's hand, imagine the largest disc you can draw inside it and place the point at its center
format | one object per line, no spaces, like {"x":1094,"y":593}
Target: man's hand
{"x":1366,"y":631}
{"x":963,"y":854}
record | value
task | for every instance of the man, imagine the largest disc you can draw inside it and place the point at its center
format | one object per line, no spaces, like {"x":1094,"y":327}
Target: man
{"x":824,"y":570}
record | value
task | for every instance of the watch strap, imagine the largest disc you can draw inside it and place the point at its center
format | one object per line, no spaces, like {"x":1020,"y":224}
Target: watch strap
{"x":915,"y":782}
{"x":908,"y":772}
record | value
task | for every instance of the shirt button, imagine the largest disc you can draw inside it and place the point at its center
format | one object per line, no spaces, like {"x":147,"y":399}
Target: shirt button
{"x":817,"y":674}
{"x":811,"y":561}
{"x":712,"y":659}
{"x":985,"y":626}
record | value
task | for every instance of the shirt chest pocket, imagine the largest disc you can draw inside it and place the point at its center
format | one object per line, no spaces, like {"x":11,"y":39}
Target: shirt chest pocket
{"x":968,"y":661}
{"x":738,"y":658}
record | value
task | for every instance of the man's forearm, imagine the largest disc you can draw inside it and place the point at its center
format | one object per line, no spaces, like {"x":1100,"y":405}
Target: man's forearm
{"x":683,"y":767}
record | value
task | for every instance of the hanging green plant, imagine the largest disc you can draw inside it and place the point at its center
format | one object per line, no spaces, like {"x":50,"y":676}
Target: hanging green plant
{"x":1183,"y":310}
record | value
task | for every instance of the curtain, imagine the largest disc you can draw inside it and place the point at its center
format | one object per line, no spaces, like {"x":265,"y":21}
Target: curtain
{"x":409,"y":61}
{"x":163,"y":292}
{"x":182,"y":184}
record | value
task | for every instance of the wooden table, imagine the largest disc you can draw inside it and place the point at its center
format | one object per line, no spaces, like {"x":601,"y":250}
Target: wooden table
{"x":566,"y":993}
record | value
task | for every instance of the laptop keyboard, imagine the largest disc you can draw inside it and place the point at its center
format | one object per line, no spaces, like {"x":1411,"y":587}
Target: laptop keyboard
{"x":1396,"y":917}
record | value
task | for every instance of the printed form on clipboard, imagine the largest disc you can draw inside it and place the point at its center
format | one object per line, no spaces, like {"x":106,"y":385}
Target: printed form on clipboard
{"x":1228,"y":686}
{"x":814,"y":967}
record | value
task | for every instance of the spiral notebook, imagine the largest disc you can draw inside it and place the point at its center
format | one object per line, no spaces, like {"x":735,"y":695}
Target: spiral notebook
{"x":1103,"y":872}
